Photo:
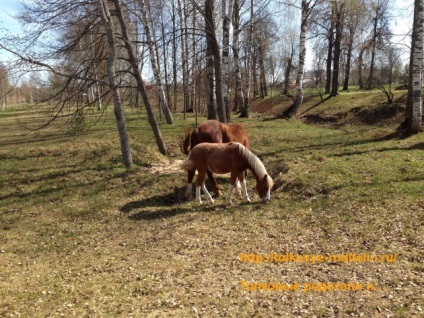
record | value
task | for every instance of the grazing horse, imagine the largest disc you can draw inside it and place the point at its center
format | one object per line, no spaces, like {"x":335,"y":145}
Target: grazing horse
{"x":212,"y":131}
{"x":232,"y":158}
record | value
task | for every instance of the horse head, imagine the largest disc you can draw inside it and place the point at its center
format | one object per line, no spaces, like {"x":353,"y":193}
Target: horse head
{"x":263,"y":187}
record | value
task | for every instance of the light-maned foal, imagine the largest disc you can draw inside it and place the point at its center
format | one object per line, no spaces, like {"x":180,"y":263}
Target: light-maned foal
{"x":233,"y":158}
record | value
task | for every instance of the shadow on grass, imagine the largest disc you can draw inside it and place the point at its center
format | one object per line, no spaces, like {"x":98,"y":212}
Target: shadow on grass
{"x":172,"y":204}
{"x":419,"y":146}
{"x":168,"y":205}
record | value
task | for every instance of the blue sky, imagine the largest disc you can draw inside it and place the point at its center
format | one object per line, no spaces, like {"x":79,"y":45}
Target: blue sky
{"x":7,"y":9}
{"x":401,"y":23}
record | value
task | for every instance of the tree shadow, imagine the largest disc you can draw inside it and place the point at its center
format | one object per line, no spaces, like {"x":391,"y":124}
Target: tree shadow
{"x":172,"y":204}
{"x":157,"y":207}
{"x":323,"y":100}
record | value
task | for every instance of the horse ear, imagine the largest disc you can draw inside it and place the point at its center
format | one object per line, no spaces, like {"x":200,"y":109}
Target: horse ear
{"x":266,"y":176}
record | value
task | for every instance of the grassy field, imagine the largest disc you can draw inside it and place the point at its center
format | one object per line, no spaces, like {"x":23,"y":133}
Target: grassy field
{"x":82,"y":236}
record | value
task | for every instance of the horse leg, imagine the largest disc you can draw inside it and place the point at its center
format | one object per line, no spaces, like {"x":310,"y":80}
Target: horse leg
{"x":233,"y":179}
{"x":244,"y":187}
{"x":189,"y":188}
{"x":214,"y":183}
{"x":200,"y":184}
{"x":238,"y":186}
{"x":205,"y":191}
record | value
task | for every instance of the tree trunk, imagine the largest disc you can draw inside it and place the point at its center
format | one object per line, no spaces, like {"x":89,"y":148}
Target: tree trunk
{"x":225,"y":55}
{"x":210,"y":75}
{"x":111,"y":74}
{"x":140,"y":83}
{"x":373,"y":48}
{"x":360,"y":68}
{"x":214,"y":49}
{"x":254,"y":72}
{"x":329,"y":54}
{"x":239,"y":98}
{"x":184,"y":54}
{"x":289,"y":66}
{"x":262,"y":79}
{"x":194,"y":71}
{"x":348,"y":66}
{"x":174,"y":58}
{"x":245,"y":111}
{"x":337,"y":48}
{"x":165,"y":64}
{"x":154,"y":63}
{"x":292,"y":110}
{"x":417,"y":68}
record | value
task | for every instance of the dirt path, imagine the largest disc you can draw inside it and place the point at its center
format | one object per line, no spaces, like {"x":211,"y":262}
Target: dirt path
{"x":171,"y":167}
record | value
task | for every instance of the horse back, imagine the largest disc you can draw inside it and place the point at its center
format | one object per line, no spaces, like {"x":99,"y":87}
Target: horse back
{"x":235,"y":132}
{"x":209,"y":131}
{"x":218,"y":157}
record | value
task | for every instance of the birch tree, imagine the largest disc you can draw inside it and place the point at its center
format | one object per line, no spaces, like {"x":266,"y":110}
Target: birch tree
{"x":306,"y":9}
{"x":109,"y":26}
{"x":215,"y":52}
{"x":244,"y":112}
{"x":338,"y":9}
{"x":183,"y":16}
{"x":154,"y":62}
{"x":239,"y":98}
{"x":379,"y":18}
{"x":226,"y":52}
{"x":416,"y":103}
{"x":354,"y":22}
{"x":137,"y":75}
{"x":4,"y":86}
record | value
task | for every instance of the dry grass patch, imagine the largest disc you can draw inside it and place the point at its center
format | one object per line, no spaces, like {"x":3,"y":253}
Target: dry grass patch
{"x":83,"y":236}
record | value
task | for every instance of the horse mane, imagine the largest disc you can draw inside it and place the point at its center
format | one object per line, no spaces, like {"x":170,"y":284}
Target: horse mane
{"x":186,"y":141}
{"x":254,"y":162}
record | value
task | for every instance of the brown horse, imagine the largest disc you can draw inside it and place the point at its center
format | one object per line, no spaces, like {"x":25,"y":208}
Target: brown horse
{"x":212,"y":131}
{"x":232,"y":158}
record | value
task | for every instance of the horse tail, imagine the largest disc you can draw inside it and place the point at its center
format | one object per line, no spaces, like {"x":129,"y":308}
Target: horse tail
{"x":187,"y":164}
{"x":186,"y":141}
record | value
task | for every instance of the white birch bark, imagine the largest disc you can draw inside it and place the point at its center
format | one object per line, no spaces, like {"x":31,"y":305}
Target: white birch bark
{"x":111,"y":74}
{"x":154,"y":63}
{"x":225,"y":53}
{"x":182,"y":13}
{"x":245,"y":110}
{"x":239,"y":99}
{"x":137,"y":76}
{"x":292,"y":110}
{"x":417,"y":67}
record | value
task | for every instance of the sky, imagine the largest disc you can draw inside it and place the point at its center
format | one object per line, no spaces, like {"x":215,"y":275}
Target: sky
{"x":401,"y":22}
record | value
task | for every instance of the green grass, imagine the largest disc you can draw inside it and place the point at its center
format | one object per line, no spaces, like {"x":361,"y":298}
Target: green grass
{"x":83,"y":236}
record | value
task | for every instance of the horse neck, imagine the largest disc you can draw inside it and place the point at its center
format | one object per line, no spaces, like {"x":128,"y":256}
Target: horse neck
{"x":254,"y":164}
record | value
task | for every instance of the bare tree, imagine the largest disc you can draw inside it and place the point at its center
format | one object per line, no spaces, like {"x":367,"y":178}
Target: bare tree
{"x":339,"y":13}
{"x":137,"y":75}
{"x":109,"y":26}
{"x":215,"y":52}
{"x":306,"y":9}
{"x":415,"y":103}
{"x":4,"y":86}
{"x":354,"y":23}
{"x":154,"y":61}
{"x":246,"y":105}
{"x":379,"y":17}
{"x":227,"y":14}
{"x":239,"y":98}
